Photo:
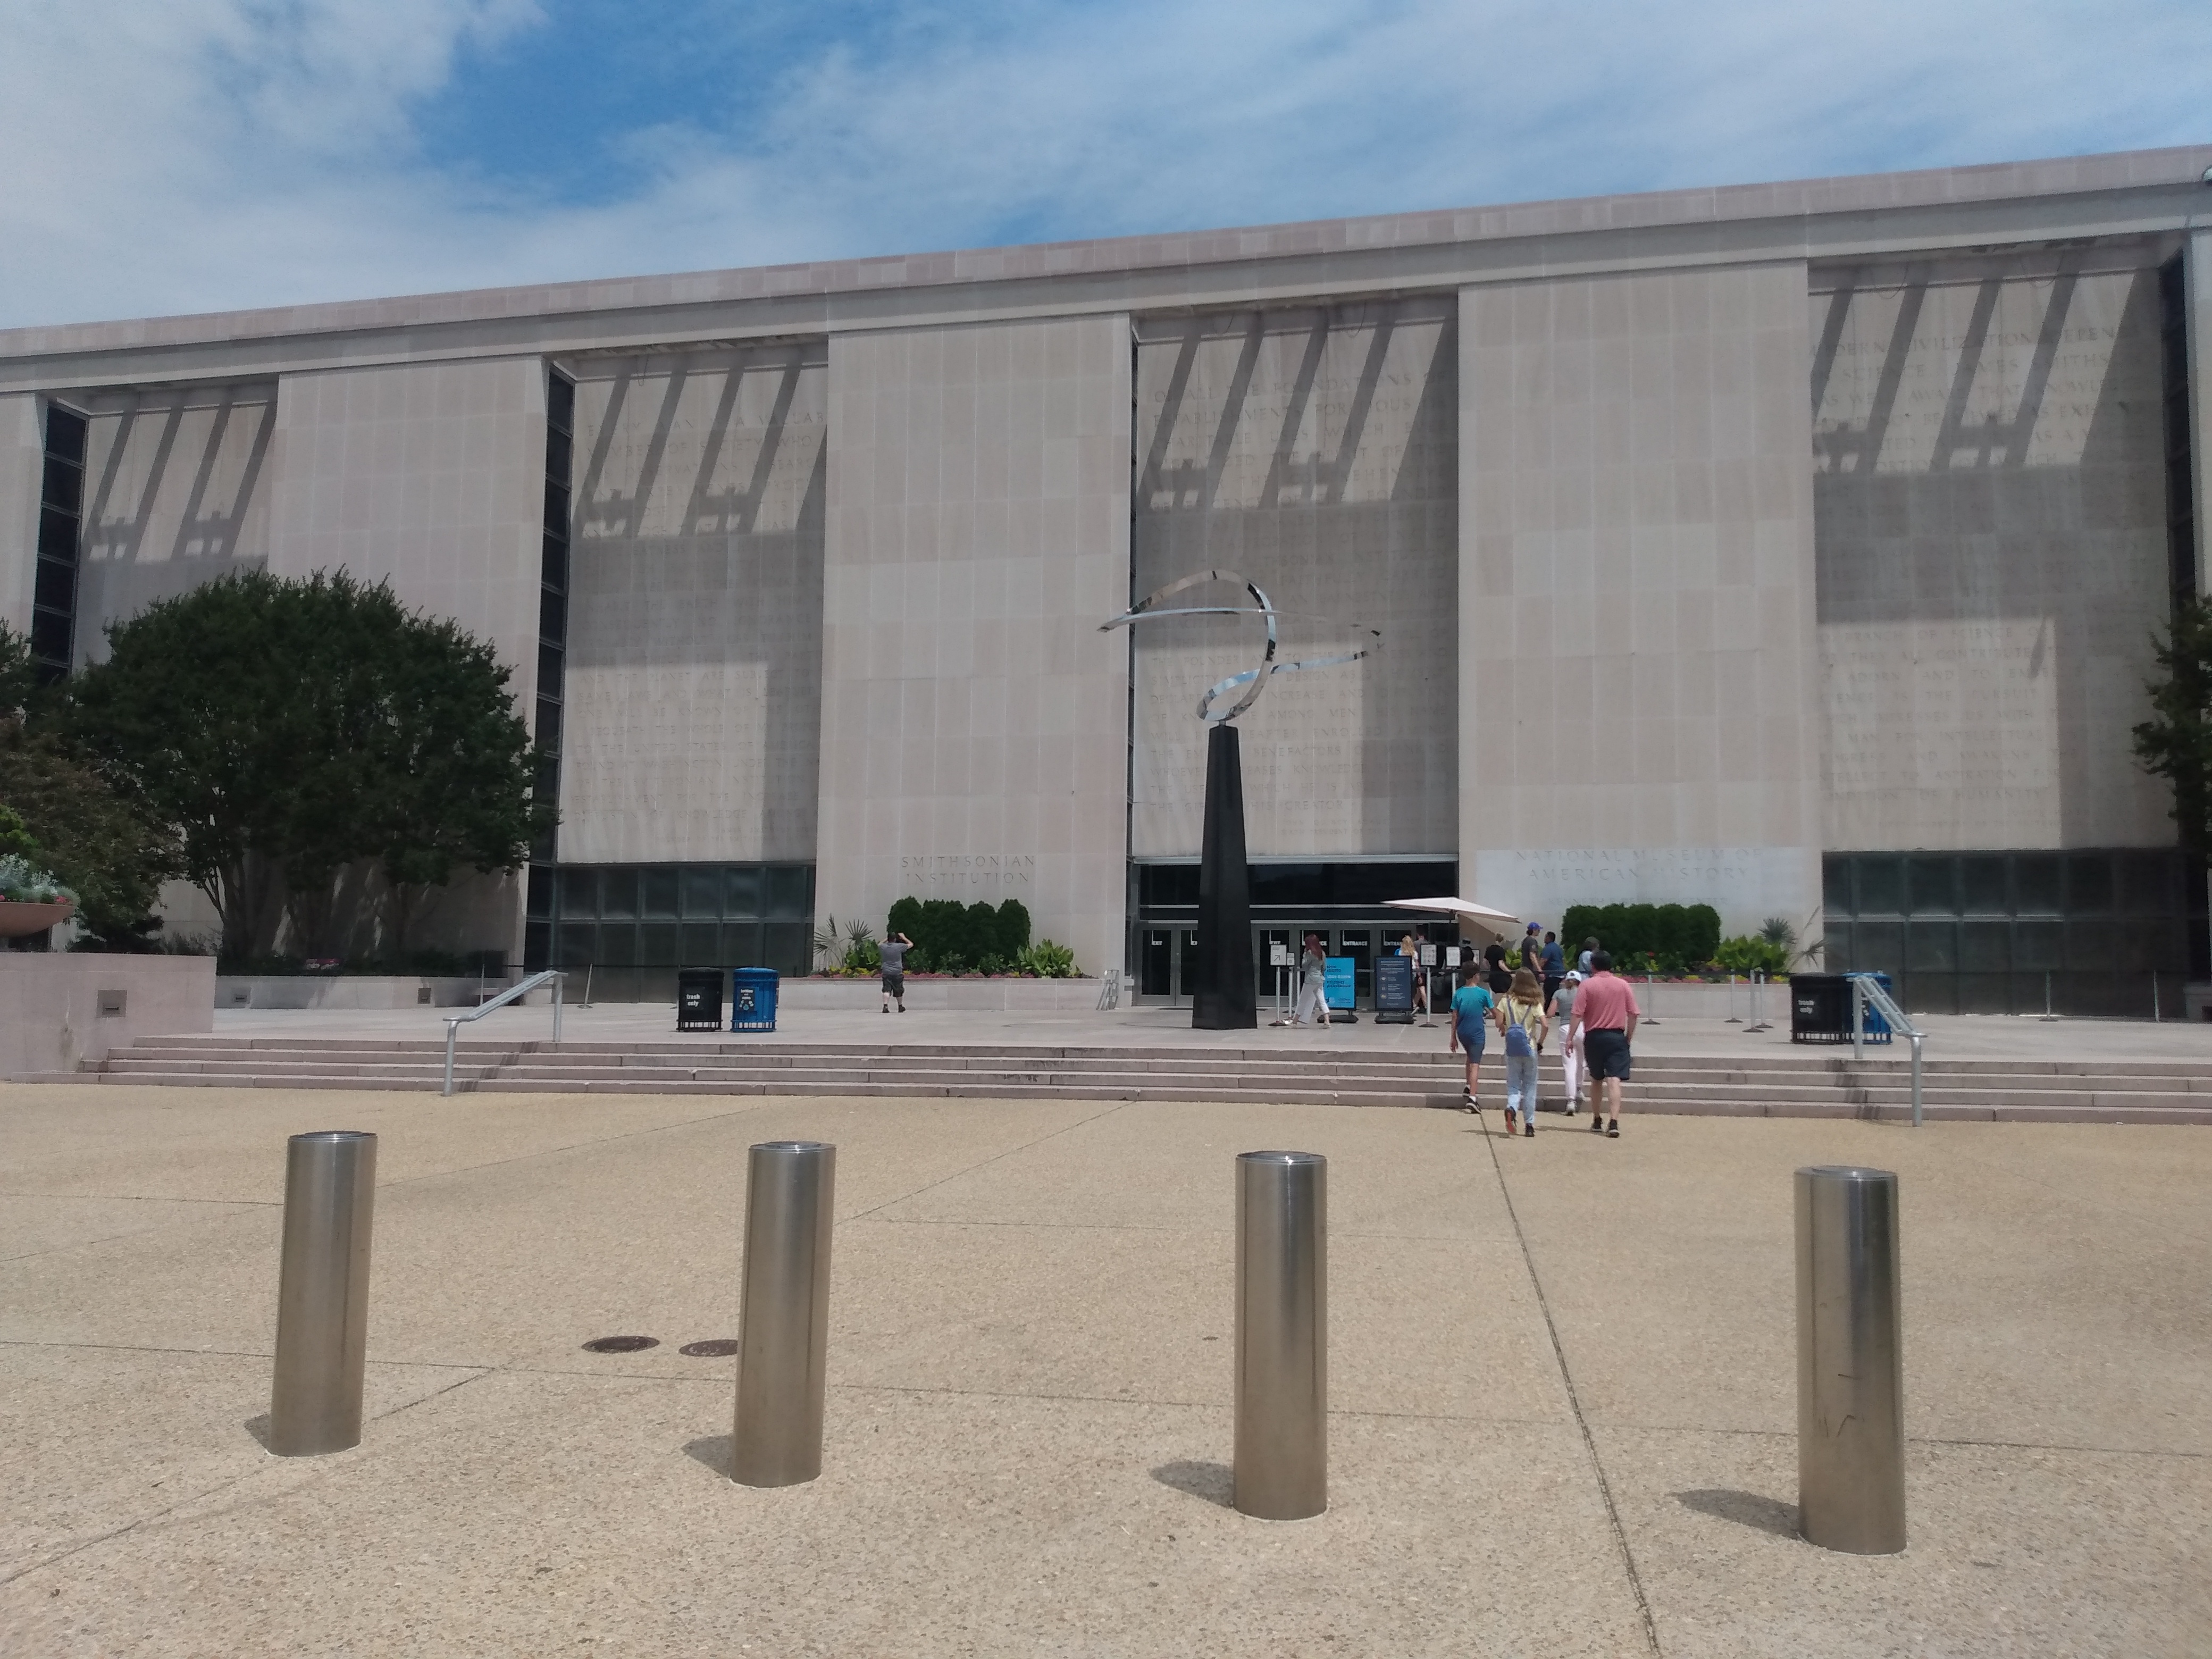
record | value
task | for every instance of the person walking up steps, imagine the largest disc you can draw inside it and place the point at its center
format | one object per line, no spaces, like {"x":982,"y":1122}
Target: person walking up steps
{"x":894,"y":948}
{"x":1470,"y":1029}
{"x":1606,"y":1015}
{"x":1521,"y":1019}
{"x":1562,"y":1010}
{"x":1313,"y":1000}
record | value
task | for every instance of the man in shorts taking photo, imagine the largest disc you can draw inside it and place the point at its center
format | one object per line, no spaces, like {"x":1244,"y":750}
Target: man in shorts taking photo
{"x":1605,"y":1020}
{"x":894,"y":948}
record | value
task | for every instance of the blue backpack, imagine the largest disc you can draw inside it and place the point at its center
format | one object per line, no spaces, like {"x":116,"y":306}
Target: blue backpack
{"x":1517,"y":1041}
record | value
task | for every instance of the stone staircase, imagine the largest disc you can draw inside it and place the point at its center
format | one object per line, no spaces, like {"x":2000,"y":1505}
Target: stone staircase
{"x":1798,"y":1083}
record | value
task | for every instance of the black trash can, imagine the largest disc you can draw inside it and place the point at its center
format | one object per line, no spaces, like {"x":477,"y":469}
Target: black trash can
{"x":699,"y":1000}
{"x":1820,"y":1008}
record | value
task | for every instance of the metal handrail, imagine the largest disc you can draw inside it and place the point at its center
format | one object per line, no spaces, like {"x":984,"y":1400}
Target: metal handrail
{"x":1865,"y":991}
{"x":454,"y":1022}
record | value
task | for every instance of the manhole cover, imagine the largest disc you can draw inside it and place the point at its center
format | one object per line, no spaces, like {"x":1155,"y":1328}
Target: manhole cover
{"x":718,"y":1348}
{"x":620,"y":1344}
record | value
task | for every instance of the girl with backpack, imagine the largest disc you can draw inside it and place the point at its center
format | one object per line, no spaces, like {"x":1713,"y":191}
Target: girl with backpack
{"x":1523,"y":1023}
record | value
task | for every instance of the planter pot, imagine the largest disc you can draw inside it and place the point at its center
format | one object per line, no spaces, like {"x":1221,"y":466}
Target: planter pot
{"x":19,"y":916}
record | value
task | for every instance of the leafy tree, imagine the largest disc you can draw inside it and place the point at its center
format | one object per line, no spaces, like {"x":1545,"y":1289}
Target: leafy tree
{"x":60,"y":813}
{"x":2176,"y":743}
{"x":305,"y":726}
{"x":453,"y":766}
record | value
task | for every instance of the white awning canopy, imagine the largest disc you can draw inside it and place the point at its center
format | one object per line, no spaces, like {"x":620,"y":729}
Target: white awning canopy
{"x":1495,"y":922}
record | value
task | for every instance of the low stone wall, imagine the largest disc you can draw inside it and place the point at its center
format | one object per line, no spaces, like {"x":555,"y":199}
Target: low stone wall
{"x":351,"y":991}
{"x":60,"y":1008}
{"x":1011,"y":994}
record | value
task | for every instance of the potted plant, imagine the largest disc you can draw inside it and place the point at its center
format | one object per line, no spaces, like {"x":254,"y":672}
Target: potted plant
{"x":31,"y":901}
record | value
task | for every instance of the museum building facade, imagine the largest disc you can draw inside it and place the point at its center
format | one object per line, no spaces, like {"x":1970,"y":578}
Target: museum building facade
{"x":1797,"y":548}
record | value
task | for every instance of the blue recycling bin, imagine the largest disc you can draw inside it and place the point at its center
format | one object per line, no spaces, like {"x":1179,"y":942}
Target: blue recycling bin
{"x":752,"y":998}
{"x":1877,"y":1028}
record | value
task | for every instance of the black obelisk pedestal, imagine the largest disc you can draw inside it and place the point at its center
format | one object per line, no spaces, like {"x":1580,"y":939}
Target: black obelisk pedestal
{"x":1226,"y":995}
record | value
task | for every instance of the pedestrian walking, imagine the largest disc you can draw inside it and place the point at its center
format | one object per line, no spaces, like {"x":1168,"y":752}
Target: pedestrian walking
{"x":1531,"y":954}
{"x":1410,"y":948}
{"x":1605,"y":1014}
{"x":1590,"y":951}
{"x":1313,"y":995}
{"x":1555,"y":968}
{"x":1521,"y":1022}
{"x":1501,"y":975}
{"x":1561,"y":1006}
{"x":893,"y":950}
{"x":1470,"y":1029}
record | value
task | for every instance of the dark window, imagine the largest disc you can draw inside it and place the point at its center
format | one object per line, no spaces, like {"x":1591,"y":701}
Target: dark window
{"x":65,"y":431}
{"x":61,"y":497}
{"x":701,"y":892}
{"x":2035,"y":885}
{"x":63,"y":487}
{"x":2088,"y":882}
{"x":1836,"y":886}
{"x":579,"y":894}
{"x":1881,"y":884}
{"x":789,"y":893}
{"x":541,"y":892}
{"x":741,"y":891}
{"x":1935,"y":887}
{"x":618,"y":890}
{"x":657,"y":896}
{"x":57,"y":585}
{"x":552,"y":602}
{"x":1982,"y":886}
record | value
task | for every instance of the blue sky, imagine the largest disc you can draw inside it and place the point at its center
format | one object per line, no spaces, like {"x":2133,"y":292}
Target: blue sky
{"x":213,"y":154}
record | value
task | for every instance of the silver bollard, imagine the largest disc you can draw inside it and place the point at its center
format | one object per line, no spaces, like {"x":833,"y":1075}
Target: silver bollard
{"x":1282,"y":1335}
{"x":322,"y":1294}
{"x":784,"y":1329}
{"x":1850,"y":1367}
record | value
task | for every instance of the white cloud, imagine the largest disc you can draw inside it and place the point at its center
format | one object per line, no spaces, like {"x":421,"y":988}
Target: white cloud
{"x":243,"y":152}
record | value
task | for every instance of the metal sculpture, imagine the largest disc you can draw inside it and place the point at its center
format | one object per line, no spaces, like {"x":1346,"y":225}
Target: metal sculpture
{"x":1225,"y":997}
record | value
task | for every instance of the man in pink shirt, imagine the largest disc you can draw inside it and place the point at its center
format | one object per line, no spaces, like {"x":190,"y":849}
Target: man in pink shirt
{"x":1605,"y":1016}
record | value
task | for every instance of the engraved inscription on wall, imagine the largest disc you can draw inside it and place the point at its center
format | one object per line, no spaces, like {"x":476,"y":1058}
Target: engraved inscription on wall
{"x":1989,"y":536}
{"x":1313,"y":452}
{"x":969,"y":876}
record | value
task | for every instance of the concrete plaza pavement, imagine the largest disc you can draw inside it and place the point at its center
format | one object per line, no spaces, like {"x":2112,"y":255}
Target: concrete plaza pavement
{"x":1562,"y":1387}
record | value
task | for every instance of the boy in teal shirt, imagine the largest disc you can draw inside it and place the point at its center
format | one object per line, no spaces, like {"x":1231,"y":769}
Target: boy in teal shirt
{"x":1470,"y":1028}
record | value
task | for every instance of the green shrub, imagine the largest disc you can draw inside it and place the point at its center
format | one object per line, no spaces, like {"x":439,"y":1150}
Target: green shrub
{"x":1666,"y":939}
{"x":1047,"y":961}
{"x":1750,"y":953}
{"x":951,"y":938}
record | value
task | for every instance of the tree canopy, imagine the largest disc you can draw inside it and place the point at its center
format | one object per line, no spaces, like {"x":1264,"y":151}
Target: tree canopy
{"x":303,"y":727}
{"x":2176,"y":743}
{"x":61,"y":815}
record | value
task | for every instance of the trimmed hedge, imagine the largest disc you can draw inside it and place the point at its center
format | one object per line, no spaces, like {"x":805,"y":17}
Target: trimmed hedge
{"x":951,"y":938}
{"x":1680,"y":936}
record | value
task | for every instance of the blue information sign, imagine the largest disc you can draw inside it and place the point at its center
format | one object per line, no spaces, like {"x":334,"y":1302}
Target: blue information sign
{"x":1336,"y":981}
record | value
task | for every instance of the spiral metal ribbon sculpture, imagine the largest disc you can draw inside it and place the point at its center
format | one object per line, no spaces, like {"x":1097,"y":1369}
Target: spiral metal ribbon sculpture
{"x":1254,"y":680}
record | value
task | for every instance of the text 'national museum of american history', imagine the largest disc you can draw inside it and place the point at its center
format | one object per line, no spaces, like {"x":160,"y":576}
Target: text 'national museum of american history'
{"x":1797,"y":548}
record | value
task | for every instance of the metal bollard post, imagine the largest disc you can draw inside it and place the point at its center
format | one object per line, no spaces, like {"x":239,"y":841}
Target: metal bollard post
{"x":784,"y":1329}
{"x":1850,"y":1370}
{"x":1282,"y":1335}
{"x":322,"y":1295}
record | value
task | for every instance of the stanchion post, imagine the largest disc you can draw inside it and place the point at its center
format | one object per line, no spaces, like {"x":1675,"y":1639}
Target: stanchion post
{"x":1850,"y":1370}
{"x":783,"y":1330}
{"x":322,"y":1293}
{"x":1282,"y":1335}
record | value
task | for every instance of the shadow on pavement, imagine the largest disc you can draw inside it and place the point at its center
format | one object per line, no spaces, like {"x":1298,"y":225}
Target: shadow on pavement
{"x":1745,"y":1509}
{"x":1214,"y":1482}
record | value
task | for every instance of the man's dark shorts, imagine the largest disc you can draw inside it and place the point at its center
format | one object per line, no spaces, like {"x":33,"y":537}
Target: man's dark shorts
{"x":895,"y":986}
{"x":1606,"y":1054}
